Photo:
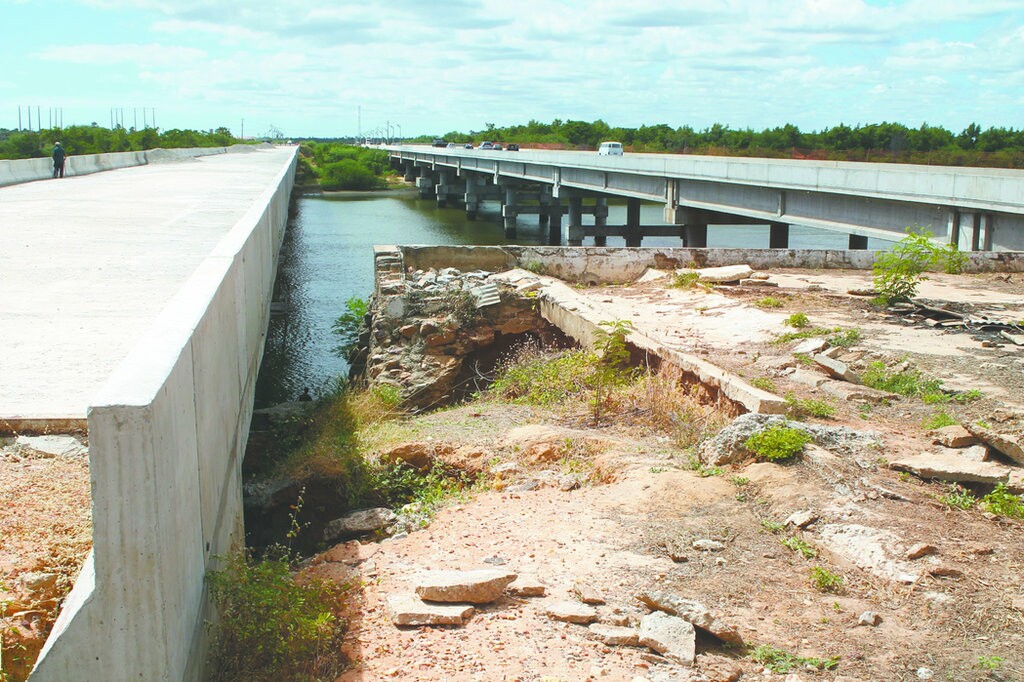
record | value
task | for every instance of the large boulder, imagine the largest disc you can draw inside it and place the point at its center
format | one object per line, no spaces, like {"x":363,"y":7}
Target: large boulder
{"x":360,"y":522}
{"x":671,"y":636}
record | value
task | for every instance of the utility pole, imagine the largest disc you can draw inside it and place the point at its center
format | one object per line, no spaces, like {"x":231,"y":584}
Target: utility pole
{"x":359,"y":122}
{"x":19,"y":117}
{"x":242,"y":136}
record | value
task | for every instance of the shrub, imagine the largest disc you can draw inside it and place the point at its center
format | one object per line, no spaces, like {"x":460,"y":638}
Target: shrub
{"x":958,"y":497}
{"x":685,"y":280}
{"x":908,"y":382}
{"x":772,"y":526}
{"x":781,"y":661}
{"x":534,"y":376}
{"x":800,"y":545}
{"x":777,"y":443}
{"x":768,"y":302}
{"x":844,"y":338}
{"x":825,"y":580}
{"x":763,"y":383}
{"x":269,"y":626}
{"x":938,"y":420}
{"x":1003,"y":503}
{"x":799,"y":408}
{"x":347,"y":326}
{"x":797,"y":321}
{"x":899,"y":272}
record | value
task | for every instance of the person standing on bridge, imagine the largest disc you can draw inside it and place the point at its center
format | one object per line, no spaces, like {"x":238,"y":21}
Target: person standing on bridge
{"x":58,"y":160}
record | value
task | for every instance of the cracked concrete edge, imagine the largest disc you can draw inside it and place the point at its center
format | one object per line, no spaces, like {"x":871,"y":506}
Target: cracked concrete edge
{"x":562,"y":307}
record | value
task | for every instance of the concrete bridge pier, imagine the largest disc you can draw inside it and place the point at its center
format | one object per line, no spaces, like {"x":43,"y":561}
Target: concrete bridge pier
{"x":543,"y":206}
{"x":472,"y":196}
{"x":554,"y":216}
{"x":409,"y":172}
{"x":425,"y":183}
{"x":971,"y":230}
{"x":633,"y":234}
{"x":574,"y":230}
{"x":695,"y":236}
{"x":448,"y":189}
{"x":509,"y":212}
{"x":778,"y":236}
{"x":601,"y":222}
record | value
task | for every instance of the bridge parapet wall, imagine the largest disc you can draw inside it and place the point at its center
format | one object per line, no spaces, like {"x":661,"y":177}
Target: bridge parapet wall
{"x":167,"y":434}
{"x":28,"y":170}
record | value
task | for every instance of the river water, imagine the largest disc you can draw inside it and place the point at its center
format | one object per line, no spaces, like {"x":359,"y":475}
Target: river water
{"x":327,"y":258}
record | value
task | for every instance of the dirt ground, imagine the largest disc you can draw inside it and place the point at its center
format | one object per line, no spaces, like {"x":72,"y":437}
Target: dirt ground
{"x":632,"y":524}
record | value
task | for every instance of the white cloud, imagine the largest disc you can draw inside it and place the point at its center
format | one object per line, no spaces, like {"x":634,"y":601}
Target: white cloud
{"x":152,"y":55}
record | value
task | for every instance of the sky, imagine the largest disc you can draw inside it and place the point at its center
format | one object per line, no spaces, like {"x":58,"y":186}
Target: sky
{"x":336,"y":68}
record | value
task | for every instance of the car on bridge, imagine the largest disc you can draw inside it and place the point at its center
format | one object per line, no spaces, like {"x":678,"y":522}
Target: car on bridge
{"x":486,"y":145}
{"x":610,"y":149}
{"x":439,"y":143}
{"x":511,"y":147}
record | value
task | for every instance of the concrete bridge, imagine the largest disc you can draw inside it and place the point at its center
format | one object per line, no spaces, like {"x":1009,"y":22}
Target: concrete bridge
{"x":979,"y":209}
{"x":135,"y":302}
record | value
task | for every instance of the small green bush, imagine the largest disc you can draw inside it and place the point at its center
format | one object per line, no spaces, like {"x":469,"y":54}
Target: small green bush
{"x":797,"y":544}
{"x":777,"y":443}
{"x":797,"y":321}
{"x":543,"y":377}
{"x":781,"y":661}
{"x":899,"y":271}
{"x":1003,"y":503}
{"x":347,"y":326}
{"x":768,"y":302}
{"x":800,"y":408}
{"x":908,"y":382}
{"x":958,"y":497}
{"x":772,"y":526}
{"x":825,"y":580}
{"x":739,"y":481}
{"x":845,"y":338}
{"x":763,"y":383}
{"x":938,"y":420}
{"x":271,"y":627}
{"x":685,"y":280}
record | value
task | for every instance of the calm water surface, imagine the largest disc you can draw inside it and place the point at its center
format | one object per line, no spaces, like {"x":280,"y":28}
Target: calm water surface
{"x":327,"y":258}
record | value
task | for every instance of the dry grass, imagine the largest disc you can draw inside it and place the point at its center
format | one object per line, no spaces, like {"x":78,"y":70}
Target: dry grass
{"x":662,"y":404}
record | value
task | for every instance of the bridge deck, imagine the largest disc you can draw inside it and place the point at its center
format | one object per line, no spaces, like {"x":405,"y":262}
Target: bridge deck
{"x":87,"y":263}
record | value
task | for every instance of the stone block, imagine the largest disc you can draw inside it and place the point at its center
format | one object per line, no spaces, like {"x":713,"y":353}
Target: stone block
{"x":955,"y":436}
{"x":571,"y":612}
{"x":839,"y":370}
{"x":481,"y":586}
{"x":407,"y":609}
{"x":950,"y":466}
{"x":614,"y":635}
{"x":670,"y":636}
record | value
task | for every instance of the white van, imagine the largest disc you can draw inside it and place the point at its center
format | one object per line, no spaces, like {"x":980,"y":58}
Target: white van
{"x":610,"y":149}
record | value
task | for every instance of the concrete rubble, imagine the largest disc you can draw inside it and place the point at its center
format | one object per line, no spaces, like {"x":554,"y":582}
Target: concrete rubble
{"x":481,"y":586}
{"x":670,"y":636}
{"x":408,"y":609}
{"x":693,"y":612}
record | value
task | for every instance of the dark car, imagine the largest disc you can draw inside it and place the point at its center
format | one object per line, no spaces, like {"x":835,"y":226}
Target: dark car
{"x":440,"y":143}
{"x":512,"y":147}
{"x":468,"y":145}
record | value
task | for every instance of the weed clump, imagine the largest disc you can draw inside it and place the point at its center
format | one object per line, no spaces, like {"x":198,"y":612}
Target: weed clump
{"x":899,"y":272}
{"x":781,"y":661}
{"x":797,"y":321}
{"x":1003,"y":503}
{"x":685,"y":280}
{"x":535,"y":376}
{"x":906,"y":382}
{"x":768,"y":302}
{"x":777,"y":443}
{"x":801,"y":408}
{"x":271,"y":627}
{"x":825,"y":580}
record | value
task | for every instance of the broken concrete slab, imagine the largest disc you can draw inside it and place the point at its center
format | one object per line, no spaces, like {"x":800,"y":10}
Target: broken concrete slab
{"x":693,"y":612}
{"x":586,"y":593}
{"x":408,"y":609}
{"x":810,"y":346}
{"x":872,"y":549}
{"x":801,"y":519}
{"x":481,"y":586}
{"x":55,"y":446}
{"x":614,"y":635}
{"x":1015,"y":482}
{"x":955,"y":436}
{"x":571,"y":612}
{"x":1011,"y":445}
{"x":527,"y":586}
{"x":854,"y":392}
{"x":670,"y":636}
{"x":808,"y":377}
{"x":839,"y":370}
{"x":724,"y":273}
{"x":951,"y":466}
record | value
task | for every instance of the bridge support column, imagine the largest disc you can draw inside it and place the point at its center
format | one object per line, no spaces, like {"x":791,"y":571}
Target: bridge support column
{"x":472,"y":197}
{"x":858,"y":242}
{"x":425,"y":183}
{"x":544,"y":205}
{"x":574,"y":230}
{"x":778,"y":236}
{"x":509,"y":213}
{"x":633,"y":235}
{"x":600,"y":222}
{"x":555,"y":222}
{"x":441,"y":188}
{"x":409,"y":172}
{"x":695,"y":236}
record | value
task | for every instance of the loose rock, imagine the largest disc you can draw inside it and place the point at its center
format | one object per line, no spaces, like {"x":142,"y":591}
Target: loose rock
{"x":359,"y":522}
{"x":706,"y":545}
{"x":615,"y":636}
{"x":693,"y":612}
{"x":407,"y":609}
{"x":921,"y":549}
{"x":955,"y":436}
{"x":571,"y":612}
{"x":527,"y":586}
{"x":670,"y":636}
{"x":869,"y":618}
{"x":481,"y":586}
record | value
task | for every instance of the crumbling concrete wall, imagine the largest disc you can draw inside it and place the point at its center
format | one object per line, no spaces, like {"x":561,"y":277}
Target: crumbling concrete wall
{"x":167,"y":435}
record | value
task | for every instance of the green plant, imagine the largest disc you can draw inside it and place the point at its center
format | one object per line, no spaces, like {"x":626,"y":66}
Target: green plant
{"x":899,"y":271}
{"x":781,"y":661}
{"x":990,"y":662}
{"x":908,"y":382}
{"x":685,"y":280}
{"x":777,"y":443}
{"x":797,"y":544}
{"x":346,"y":327}
{"x":739,"y":481}
{"x":968,"y":396}
{"x":797,"y":321}
{"x":542,"y":377}
{"x":269,"y":626}
{"x":799,"y":408}
{"x":845,"y":338}
{"x":825,"y":580}
{"x":459,"y":305}
{"x":772,"y":526}
{"x":763,"y":383}
{"x":803,"y":358}
{"x":535,"y":266}
{"x":612,"y":368}
{"x":958,"y":497}
{"x":1003,"y":503}
{"x":768,"y":302}
{"x":938,"y":420}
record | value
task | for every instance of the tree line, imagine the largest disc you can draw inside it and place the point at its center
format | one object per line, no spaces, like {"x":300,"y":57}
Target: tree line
{"x":93,"y":139}
{"x":337,"y":166}
{"x":879,"y":142}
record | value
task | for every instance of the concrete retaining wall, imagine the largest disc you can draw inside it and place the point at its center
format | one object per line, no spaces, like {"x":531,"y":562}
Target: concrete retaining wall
{"x":28,"y":170}
{"x":596,"y":265}
{"x":167,"y":435}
